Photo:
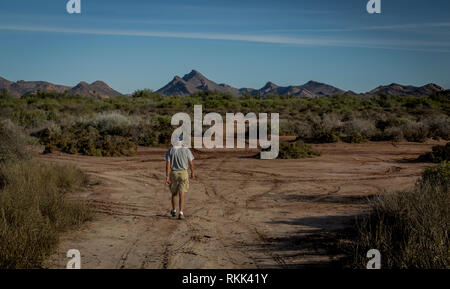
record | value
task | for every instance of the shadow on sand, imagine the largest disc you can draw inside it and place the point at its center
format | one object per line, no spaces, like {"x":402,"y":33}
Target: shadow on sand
{"x":337,"y":199}
{"x":320,"y":242}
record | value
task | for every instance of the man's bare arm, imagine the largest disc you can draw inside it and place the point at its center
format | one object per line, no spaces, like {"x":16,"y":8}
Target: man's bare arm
{"x":191,"y":165}
{"x":167,"y":172}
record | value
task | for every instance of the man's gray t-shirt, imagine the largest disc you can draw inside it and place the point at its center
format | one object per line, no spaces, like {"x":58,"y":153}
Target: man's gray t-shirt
{"x":179,"y":158}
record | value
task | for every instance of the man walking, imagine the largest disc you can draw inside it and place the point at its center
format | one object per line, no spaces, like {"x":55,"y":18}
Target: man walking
{"x":178,"y":158}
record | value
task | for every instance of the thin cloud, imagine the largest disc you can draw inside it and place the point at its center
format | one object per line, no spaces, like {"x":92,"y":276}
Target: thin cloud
{"x":368,"y":28}
{"x":410,"y":26}
{"x":271,"y":39}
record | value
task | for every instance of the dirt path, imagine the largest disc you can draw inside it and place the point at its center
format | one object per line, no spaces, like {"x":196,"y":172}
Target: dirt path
{"x":240,"y":212}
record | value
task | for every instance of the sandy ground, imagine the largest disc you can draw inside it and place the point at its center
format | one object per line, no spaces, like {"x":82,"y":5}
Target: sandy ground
{"x":241,"y":212}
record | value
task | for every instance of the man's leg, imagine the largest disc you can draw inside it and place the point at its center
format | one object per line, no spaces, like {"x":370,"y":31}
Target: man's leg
{"x":184,"y":186}
{"x":181,"y":204}
{"x":174,"y":201}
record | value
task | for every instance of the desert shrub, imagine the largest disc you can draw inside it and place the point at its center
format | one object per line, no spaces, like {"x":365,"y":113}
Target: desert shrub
{"x":296,"y":150}
{"x":393,"y":121}
{"x":393,"y":133}
{"x":331,"y":121}
{"x":327,"y":136}
{"x":87,"y":140}
{"x":34,"y":209}
{"x":437,"y":155}
{"x":113,"y":146}
{"x":106,"y":134}
{"x":151,"y":132}
{"x":355,"y":138}
{"x":13,"y":142}
{"x":321,"y":119}
{"x":438,"y":126}
{"x":410,"y":229}
{"x":113,"y":123}
{"x":163,"y":129}
{"x":29,"y":118}
{"x":415,"y":131}
{"x":4,"y":93}
{"x":148,"y":93}
{"x":144,"y":134}
{"x":301,"y":129}
{"x":326,"y":129}
{"x":358,"y":130}
{"x":436,"y":178}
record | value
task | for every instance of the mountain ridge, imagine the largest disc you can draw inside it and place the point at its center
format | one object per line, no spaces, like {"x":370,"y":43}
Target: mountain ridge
{"x":403,"y":90}
{"x":194,"y":81}
{"x":97,"y":89}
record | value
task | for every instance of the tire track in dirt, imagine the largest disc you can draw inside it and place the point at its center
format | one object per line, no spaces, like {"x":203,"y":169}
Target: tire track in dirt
{"x":233,"y":206}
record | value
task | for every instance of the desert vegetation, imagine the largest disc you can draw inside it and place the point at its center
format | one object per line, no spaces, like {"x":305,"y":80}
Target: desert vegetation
{"x":115,"y":126}
{"x":410,"y":229}
{"x":296,"y":150}
{"x":437,"y":155}
{"x":34,"y":207}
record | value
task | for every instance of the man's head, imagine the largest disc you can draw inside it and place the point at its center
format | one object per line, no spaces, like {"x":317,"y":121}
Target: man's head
{"x":180,"y":141}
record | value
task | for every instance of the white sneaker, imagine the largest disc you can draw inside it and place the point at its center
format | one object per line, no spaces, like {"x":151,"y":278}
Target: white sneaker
{"x":181,"y":215}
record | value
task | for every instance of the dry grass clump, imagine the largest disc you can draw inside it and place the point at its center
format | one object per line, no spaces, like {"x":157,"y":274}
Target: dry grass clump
{"x":410,"y":229}
{"x":34,"y":209}
{"x":13,"y":142}
{"x":33,"y":202}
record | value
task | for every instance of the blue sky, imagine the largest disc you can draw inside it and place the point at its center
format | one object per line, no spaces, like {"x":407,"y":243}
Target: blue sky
{"x":143,"y":44}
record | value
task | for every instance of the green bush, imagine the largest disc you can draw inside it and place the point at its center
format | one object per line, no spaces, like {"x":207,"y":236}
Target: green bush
{"x":147,"y":93}
{"x":355,"y":138}
{"x":437,"y":155}
{"x":29,"y":118}
{"x":144,"y":134}
{"x":410,"y":229}
{"x":87,"y":140}
{"x":162,"y":126}
{"x":436,"y":178}
{"x":106,"y":134}
{"x":296,"y":150}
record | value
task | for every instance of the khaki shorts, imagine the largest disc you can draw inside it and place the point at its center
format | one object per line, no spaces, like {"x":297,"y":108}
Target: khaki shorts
{"x":179,"y":181}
